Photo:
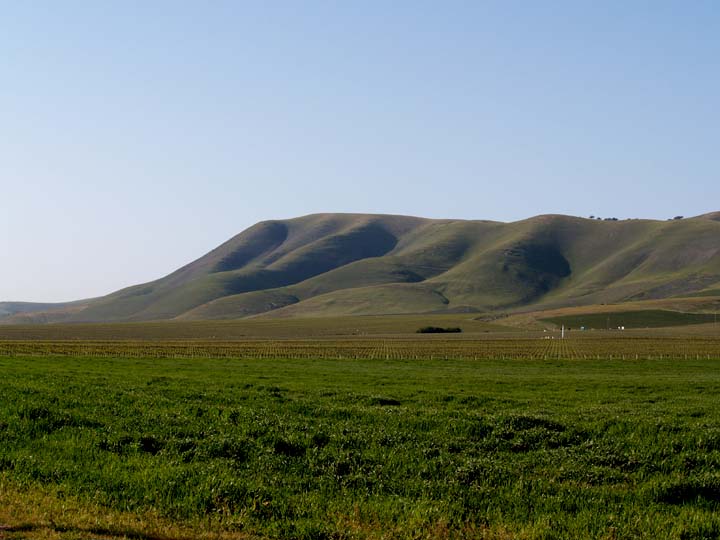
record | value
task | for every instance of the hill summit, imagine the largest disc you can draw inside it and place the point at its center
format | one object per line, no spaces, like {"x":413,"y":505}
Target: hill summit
{"x":357,"y":264}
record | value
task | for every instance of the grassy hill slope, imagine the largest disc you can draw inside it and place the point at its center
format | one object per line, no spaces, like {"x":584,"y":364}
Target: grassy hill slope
{"x":18,"y":312}
{"x":356,"y":264}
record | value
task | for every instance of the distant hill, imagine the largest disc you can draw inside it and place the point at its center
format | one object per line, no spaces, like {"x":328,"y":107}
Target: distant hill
{"x":34,"y":312}
{"x":11,"y":308}
{"x":352,"y":264}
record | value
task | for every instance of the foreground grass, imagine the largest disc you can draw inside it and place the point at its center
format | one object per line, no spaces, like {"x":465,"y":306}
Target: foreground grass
{"x":163,"y":448}
{"x":29,"y":512}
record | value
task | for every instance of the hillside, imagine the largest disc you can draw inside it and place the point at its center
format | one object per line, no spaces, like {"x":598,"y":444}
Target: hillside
{"x":39,"y":312}
{"x":351,"y":264}
{"x":11,"y":308}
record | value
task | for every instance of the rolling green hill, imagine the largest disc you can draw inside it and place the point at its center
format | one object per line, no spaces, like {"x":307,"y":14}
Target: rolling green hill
{"x":19,"y":312}
{"x":11,"y":308}
{"x":353,"y":264}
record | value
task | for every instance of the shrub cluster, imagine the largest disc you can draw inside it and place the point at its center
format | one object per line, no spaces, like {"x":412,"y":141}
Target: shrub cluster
{"x":438,"y":330}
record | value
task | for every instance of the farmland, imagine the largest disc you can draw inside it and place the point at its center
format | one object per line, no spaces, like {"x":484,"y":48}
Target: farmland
{"x":545,"y":348}
{"x":637,"y":319}
{"x":603,"y":435}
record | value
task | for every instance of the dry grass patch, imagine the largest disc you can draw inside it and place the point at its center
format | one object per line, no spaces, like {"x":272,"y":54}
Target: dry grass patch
{"x":32,"y":513}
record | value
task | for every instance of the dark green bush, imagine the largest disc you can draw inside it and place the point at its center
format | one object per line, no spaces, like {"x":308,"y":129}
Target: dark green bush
{"x":438,"y":330}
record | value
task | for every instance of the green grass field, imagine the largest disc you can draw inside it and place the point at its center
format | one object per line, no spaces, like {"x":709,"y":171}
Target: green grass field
{"x":113,"y":447}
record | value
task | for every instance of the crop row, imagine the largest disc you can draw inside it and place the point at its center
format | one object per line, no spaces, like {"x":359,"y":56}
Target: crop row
{"x":589,"y":348}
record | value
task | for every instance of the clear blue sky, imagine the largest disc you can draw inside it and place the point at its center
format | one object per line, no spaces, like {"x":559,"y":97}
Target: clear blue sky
{"x":137,"y":135}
